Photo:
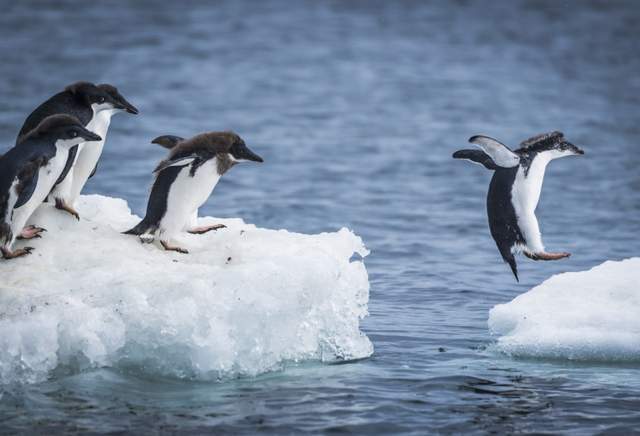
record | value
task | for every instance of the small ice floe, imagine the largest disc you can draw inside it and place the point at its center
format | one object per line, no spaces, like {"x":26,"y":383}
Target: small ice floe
{"x":243,"y":302}
{"x":589,"y":315}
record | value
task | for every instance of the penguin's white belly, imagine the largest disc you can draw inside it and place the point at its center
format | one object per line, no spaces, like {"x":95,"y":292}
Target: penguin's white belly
{"x":525,"y":195}
{"x":89,"y":154}
{"x":186,"y":195}
{"x":47,"y":176}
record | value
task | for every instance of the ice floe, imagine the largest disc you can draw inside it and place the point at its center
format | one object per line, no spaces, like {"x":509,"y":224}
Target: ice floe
{"x":589,"y":315}
{"x":244,"y":301}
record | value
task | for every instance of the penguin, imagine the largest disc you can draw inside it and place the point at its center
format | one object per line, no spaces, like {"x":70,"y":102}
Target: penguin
{"x":93,"y":105}
{"x":185,"y":180}
{"x":28,"y":172}
{"x":515,"y":189}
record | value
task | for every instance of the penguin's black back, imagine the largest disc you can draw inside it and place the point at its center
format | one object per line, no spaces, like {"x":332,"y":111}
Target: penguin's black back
{"x":34,"y":152}
{"x":62,"y":103}
{"x":503,"y":222}
{"x":157,"y":205}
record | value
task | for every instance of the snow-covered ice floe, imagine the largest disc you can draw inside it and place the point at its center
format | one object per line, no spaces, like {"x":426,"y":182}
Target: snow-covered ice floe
{"x":589,"y":315}
{"x":243,"y":302}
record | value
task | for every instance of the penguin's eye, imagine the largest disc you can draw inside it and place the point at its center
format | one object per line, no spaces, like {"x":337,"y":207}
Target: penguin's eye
{"x":101,"y":100}
{"x":74,"y":134}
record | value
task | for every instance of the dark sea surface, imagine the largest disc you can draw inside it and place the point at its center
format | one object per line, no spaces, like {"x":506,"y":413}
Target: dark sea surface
{"x":356,"y":108}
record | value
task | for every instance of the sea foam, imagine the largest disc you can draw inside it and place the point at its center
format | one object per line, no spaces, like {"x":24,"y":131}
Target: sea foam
{"x":589,"y":315}
{"x":243,"y":302}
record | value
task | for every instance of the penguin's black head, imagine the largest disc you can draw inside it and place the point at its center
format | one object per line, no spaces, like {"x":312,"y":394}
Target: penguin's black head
{"x":65,"y":128}
{"x":94,"y":96}
{"x":118,"y":99}
{"x":554,"y":143}
{"x":240,"y":152}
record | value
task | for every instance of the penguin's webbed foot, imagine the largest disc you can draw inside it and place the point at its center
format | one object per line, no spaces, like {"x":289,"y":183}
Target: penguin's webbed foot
{"x":62,"y":205}
{"x":168,"y":247}
{"x":204,"y":229}
{"x":8,"y":254}
{"x":31,"y":232}
{"x":547,"y":256}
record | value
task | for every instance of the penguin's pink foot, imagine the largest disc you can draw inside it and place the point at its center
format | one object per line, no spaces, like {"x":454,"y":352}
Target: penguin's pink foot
{"x":31,"y":232}
{"x":168,"y":247}
{"x":62,"y":205}
{"x":547,"y":256}
{"x":8,"y":254}
{"x":204,"y":229}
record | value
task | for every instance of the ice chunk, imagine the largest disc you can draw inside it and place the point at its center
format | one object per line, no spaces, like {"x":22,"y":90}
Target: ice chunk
{"x":589,"y":315}
{"x":243,"y":302}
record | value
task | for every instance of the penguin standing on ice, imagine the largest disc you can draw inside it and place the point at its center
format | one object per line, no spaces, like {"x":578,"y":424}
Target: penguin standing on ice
{"x":185,"y":180}
{"x":29,"y":171}
{"x":93,"y":105}
{"x":515,"y":190}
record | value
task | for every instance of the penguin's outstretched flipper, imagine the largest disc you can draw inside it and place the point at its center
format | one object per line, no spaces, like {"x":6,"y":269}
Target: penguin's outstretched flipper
{"x":477,"y":156}
{"x":499,"y":153}
{"x":167,"y":141}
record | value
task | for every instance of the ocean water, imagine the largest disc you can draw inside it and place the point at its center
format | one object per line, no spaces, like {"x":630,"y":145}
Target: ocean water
{"x":356,"y":108}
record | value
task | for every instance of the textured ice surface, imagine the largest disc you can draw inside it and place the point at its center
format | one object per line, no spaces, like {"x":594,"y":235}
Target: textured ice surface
{"x":589,"y":315}
{"x":243,"y":302}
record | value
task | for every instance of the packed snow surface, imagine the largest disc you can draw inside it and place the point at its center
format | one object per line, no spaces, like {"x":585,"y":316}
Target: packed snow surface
{"x":589,"y":315}
{"x":243,"y":302}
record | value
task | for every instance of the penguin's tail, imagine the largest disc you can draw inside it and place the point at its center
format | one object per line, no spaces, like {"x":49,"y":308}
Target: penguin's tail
{"x":142,"y":228}
{"x":508,"y":257}
{"x":514,"y":267}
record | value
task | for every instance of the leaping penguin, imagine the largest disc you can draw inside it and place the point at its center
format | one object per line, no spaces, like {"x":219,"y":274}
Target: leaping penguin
{"x":185,"y":180}
{"x":29,"y":171}
{"x":515,"y":190}
{"x":93,"y":105}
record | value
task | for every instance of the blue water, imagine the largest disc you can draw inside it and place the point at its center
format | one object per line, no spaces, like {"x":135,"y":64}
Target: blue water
{"x":356,"y":108}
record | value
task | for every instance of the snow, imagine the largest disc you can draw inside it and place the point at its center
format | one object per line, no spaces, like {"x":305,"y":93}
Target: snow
{"x":244,"y":301}
{"x":589,"y":315}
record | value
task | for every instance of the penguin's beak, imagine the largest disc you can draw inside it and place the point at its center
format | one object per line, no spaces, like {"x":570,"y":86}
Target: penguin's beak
{"x":122,"y":103}
{"x":245,"y":154}
{"x":575,"y":150}
{"x":90,"y":136}
{"x":129,"y":107}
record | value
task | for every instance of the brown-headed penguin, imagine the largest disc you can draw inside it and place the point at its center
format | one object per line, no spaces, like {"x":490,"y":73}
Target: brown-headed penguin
{"x":185,"y":180}
{"x":515,"y":190}
{"x":28,"y":172}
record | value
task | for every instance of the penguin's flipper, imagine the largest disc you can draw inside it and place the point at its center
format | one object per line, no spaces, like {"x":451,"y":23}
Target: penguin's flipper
{"x":167,"y":141}
{"x":67,"y":166}
{"x":177,"y":162}
{"x":501,"y":155}
{"x":27,"y":182}
{"x":93,"y":173}
{"x":477,"y":156}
